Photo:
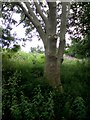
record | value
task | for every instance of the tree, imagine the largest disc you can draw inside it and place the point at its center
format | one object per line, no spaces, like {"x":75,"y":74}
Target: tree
{"x":37,"y":49}
{"x":80,"y":48}
{"x":51,"y":26}
{"x":80,"y":20}
{"x":6,"y":38}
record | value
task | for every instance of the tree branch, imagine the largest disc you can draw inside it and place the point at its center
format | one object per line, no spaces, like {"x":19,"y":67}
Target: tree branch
{"x":62,"y":32}
{"x":64,"y":17}
{"x":31,"y":16}
{"x":40,"y":12}
{"x":30,"y":11}
{"x":21,"y":21}
{"x":52,"y":17}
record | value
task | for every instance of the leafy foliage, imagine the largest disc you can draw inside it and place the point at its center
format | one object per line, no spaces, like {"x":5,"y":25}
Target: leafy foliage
{"x":20,"y":107}
{"x":80,"y":48}
{"x":27,"y":96}
{"x":6,"y":38}
{"x":79,"y":20}
{"x":79,"y":109}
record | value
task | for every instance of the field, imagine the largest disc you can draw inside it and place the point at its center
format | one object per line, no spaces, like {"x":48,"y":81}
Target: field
{"x":26,"y":95}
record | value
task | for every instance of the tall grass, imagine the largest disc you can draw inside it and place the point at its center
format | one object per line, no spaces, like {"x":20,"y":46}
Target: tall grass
{"x":75,"y":77}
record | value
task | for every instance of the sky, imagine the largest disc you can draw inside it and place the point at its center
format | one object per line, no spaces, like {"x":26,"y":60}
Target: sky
{"x":20,"y":31}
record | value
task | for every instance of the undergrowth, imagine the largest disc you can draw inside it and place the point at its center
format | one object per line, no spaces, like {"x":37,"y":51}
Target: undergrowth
{"x":27,"y":96}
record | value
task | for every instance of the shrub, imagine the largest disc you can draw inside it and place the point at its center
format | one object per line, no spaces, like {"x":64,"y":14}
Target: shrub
{"x":79,"y":109}
{"x":16,"y":106}
{"x":27,"y":96}
{"x":10,"y":93}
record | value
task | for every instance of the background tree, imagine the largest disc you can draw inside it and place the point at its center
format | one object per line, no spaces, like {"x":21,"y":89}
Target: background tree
{"x":8,"y":41}
{"x":37,"y":49}
{"x":80,"y":21}
{"x":79,"y":48}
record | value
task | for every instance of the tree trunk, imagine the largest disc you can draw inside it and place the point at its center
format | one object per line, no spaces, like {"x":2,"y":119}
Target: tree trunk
{"x":52,"y":71}
{"x":52,"y":65}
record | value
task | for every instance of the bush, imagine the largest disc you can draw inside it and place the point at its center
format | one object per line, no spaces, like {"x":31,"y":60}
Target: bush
{"x":79,"y":109}
{"x":10,"y":92}
{"x":27,"y":96}
{"x":16,"y":106}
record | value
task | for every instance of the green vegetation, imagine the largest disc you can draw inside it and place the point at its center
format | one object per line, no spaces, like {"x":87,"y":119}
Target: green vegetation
{"x":26,"y":95}
{"x":80,"y":47}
